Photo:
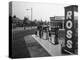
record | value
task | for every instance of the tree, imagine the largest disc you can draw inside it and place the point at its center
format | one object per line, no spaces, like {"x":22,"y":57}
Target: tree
{"x":14,"y":16}
{"x":25,"y":21}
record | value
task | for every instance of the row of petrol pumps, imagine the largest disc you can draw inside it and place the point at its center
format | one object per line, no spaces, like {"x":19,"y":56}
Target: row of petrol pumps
{"x":51,"y":33}
{"x":46,"y":33}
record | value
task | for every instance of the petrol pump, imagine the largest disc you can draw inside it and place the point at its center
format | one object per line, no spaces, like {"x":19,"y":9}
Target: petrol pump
{"x":45,"y":32}
{"x":53,"y":35}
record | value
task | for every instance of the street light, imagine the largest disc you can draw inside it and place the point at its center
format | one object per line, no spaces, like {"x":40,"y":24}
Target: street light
{"x":31,"y":12}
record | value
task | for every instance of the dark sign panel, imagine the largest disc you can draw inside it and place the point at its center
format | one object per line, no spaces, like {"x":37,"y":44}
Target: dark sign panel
{"x":69,"y":30}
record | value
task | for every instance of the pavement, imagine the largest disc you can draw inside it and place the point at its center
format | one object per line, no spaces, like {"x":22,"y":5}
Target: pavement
{"x":39,"y":47}
{"x":34,"y":48}
{"x":53,"y":50}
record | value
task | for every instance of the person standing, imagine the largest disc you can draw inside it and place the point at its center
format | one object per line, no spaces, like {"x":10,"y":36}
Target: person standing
{"x":56,"y":35}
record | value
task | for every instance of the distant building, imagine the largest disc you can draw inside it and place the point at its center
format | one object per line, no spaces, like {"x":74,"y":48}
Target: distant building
{"x":59,"y":21}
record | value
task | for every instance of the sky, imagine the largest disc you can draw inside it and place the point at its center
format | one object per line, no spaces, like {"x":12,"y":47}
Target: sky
{"x":40,"y":11}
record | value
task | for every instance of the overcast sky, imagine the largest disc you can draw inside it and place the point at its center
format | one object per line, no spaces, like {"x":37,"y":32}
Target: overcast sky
{"x":39,"y":10}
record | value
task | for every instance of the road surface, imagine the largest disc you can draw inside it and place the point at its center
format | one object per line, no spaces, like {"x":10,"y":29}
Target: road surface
{"x":21,"y":49}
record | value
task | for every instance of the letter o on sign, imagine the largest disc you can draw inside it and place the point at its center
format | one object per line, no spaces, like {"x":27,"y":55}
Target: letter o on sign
{"x":69,"y":24}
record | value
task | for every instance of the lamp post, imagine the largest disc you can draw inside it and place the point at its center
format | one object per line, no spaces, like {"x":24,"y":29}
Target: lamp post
{"x":31,"y":12}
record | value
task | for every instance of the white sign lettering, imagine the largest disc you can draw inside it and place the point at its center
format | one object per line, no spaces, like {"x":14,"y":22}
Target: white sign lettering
{"x":69,"y":24}
{"x":69,"y":14}
{"x":69,"y":44}
{"x":69,"y":34}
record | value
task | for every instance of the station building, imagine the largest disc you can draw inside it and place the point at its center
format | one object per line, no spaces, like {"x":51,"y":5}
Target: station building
{"x":59,"y":21}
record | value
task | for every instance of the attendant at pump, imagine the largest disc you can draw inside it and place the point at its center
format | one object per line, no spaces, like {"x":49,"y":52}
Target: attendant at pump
{"x":37,"y":32}
{"x":56,"y":35}
{"x":47,"y":31}
{"x":40,"y":31}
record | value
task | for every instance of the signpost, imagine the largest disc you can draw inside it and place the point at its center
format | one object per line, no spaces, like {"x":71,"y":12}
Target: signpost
{"x":69,"y":29}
